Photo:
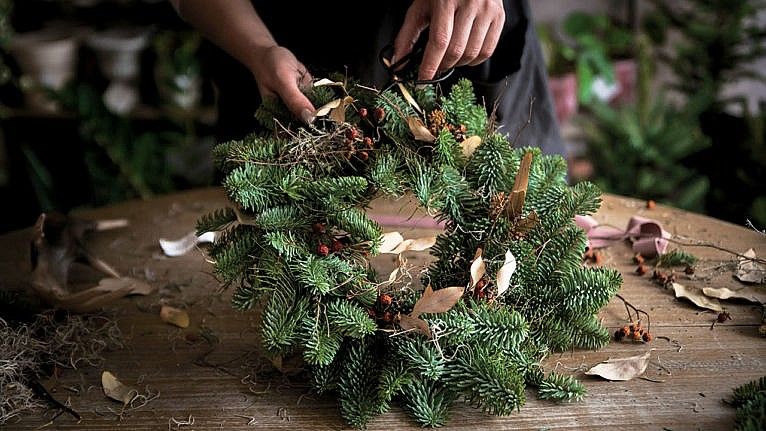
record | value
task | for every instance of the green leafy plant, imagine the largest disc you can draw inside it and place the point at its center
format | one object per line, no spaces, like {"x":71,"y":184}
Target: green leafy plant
{"x":598,"y":40}
{"x":507,"y":285}
{"x":644,"y":150}
{"x":750,"y":402}
{"x":716,"y":43}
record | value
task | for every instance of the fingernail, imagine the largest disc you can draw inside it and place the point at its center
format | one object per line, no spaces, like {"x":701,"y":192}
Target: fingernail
{"x":307,"y":116}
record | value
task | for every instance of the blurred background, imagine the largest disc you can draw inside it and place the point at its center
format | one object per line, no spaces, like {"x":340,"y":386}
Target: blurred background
{"x":107,"y":100}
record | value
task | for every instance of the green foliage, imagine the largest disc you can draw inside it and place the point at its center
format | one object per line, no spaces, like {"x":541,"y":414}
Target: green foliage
{"x":750,"y":401}
{"x":560,"y":387}
{"x":299,"y":243}
{"x":676,"y":258}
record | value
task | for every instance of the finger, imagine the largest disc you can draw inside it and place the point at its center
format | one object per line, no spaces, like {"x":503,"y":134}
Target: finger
{"x":475,"y":42}
{"x":462,"y":32}
{"x":439,"y":36}
{"x":415,"y":21}
{"x":288,"y":90}
{"x":490,"y":42}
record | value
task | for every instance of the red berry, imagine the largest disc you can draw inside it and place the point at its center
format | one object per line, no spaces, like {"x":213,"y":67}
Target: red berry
{"x":368,"y":142}
{"x":641,"y":270}
{"x":480,"y":284}
{"x":385,"y":299}
{"x":648,"y":337}
{"x":379,"y":114}
{"x":371,"y":313}
{"x":352,"y":133}
{"x":388,"y":316}
{"x":323,"y":250}
{"x":650,"y":204}
{"x":363,"y":155}
{"x":363,"y":112}
{"x":318,"y":227}
{"x":336,"y":246}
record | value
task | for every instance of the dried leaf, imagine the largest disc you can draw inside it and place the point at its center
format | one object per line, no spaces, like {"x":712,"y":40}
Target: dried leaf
{"x":181,"y":246}
{"x":394,"y":243}
{"x":696,"y":296}
{"x":133,"y":286}
{"x":338,"y":114}
{"x":470,"y":145}
{"x":327,"y":107}
{"x":174,"y":316}
{"x":505,"y":272}
{"x":416,"y":324}
{"x":749,"y":293}
{"x":408,"y":97}
{"x":621,"y":369}
{"x":478,"y":268}
{"x":519,"y":192}
{"x":393,"y":275}
{"x":326,"y":81}
{"x":419,"y":130}
{"x":389,"y":241}
{"x":437,"y":301}
{"x":115,"y":389}
{"x":750,"y":271}
{"x":417,"y":244}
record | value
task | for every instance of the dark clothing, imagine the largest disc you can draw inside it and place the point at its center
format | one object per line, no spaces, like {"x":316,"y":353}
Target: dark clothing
{"x":335,"y":36}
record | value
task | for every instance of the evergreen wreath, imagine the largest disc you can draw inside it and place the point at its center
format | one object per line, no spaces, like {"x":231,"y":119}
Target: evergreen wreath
{"x":508,"y":284}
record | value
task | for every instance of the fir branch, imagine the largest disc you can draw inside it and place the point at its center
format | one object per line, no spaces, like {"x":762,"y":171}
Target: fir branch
{"x":676,"y":258}
{"x":350,"y":319}
{"x":216,"y":220}
{"x":560,"y":387}
{"x":428,"y":402}
{"x":420,"y":355}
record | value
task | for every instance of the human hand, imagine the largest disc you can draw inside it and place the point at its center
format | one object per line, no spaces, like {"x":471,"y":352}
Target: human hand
{"x":461,"y":32}
{"x":279,"y":74}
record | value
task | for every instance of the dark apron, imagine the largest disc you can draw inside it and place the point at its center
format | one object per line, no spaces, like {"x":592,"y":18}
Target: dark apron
{"x":336,"y":36}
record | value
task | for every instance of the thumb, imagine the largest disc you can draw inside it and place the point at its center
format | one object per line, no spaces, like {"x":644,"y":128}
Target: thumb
{"x":297,"y":102}
{"x":414,"y":24}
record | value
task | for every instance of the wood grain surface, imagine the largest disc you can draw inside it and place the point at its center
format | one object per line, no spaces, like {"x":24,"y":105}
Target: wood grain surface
{"x":209,"y":385}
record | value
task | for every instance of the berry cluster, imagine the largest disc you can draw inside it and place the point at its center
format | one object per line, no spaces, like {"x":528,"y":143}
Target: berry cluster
{"x":326,"y":242}
{"x":384,"y":310}
{"x":633,"y":332}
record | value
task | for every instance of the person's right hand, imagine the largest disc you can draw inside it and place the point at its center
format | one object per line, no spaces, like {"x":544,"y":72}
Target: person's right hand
{"x":279,"y":74}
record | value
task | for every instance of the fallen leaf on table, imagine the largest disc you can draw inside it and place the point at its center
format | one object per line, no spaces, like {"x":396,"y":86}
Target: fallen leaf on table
{"x":696,"y":296}
{"x":174,"y":316}
{"x":750,"y":271}
{"x":115,"y":389}
{"x":621,"y":369}
{"x":134,"y":286}
{"x":181,"y":246}
{"x":749,"y":293}
{"x":505,"y":272}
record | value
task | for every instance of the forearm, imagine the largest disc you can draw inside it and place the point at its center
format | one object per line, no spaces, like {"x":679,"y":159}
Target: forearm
{"x":233,"y":25}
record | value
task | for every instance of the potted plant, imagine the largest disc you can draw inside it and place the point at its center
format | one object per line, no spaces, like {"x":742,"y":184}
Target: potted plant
{"x":562,"y":80}
{"x":177,"y":71}
{"x":47,"y":59}
{"x":604,"y":60}
{"x":118,"y":51}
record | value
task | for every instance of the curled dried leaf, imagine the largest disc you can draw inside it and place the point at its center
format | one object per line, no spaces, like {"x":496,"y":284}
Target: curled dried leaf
{"x":415,"y":324}
{"x":478,"y":268}
{"x":174,"y":316}
{"x":470,"y":145}
{"x":696,"y":296}
{"x":325,"y":81}
{"x":327,"y":107}
{"x":338,"y":114}
{"x":621,"y":369}
{"x":389,"y":241}
{"x":115,"y":389}
{"x":408,"y":97}
{"x":505,"y":272}
{"x":748,"y":293}
{"x":750,"y":271}
{"x":419,"y":130}
{"x":185,"y":244}
{"x":437,"y":301}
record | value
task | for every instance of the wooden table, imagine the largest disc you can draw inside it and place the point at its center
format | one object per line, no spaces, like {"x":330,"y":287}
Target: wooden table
{"x":693,"y":366}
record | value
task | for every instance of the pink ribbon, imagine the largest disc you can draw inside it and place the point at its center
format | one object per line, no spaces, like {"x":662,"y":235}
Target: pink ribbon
{"x":647,"y":235}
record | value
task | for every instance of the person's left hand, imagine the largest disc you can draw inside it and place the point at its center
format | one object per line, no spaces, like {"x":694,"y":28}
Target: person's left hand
{"x":461,"y":32}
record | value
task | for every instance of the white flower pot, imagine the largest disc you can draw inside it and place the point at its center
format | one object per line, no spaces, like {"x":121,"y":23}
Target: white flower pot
{"x":48,"y":59}
{"x":119,"y":54}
